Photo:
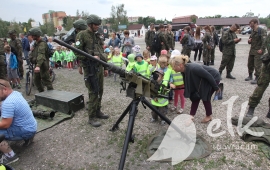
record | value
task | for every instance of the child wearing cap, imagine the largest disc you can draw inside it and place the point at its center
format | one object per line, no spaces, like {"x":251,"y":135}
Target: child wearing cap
{"x":136,"y":49}
{"x":141,"y":66}
{"x":177,"y":83}
{"x":161,"y":104}
{"x":131,"y":62}
{"x":117,"y":60}
{"x":146,"y":56}
{"x":153,"y":65}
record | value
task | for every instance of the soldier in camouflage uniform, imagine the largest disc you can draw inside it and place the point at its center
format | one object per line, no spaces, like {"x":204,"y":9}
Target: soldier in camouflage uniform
{"x":163,"y":39}
{"x":256,"y":40}
{"x":3,"y":66}
{"x":170,"y":38}
{"x":89,"y":41}
{"x":184,"y":42}
{"x":206,"y":46}
{"x":263,"y":81}
{"x":229,"y":40}
{"x":16,"y":44}
{"x":149,"y":37}
{"x":38,"y":57}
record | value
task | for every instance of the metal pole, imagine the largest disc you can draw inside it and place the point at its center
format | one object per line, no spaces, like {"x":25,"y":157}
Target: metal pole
{"x":115,"y":126}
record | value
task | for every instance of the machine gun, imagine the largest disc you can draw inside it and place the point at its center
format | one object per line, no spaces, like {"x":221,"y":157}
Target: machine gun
{"x":138,"y":88}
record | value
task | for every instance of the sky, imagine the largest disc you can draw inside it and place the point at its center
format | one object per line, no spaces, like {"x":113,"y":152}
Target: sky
{"x":22,"y":10}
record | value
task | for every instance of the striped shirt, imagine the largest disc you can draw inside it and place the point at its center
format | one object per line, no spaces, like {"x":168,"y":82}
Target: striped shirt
{"x":16,"y":107}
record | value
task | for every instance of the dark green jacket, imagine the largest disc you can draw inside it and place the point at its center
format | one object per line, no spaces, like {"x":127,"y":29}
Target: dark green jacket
{"x":228,"y":42}
{"x":149,"y":37}
{"x":17,"y":45}
{"x":258,"y":37}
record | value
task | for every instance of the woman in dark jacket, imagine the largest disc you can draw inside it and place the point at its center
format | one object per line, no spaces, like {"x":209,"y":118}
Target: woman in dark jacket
{"x":200,"y":84}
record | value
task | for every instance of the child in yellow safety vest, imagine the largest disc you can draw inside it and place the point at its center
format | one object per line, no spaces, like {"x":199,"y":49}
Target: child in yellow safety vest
{"x":153,"y":65}
{"x":131,"y":62}
{"x":161,"y":104}
{"x":117,"y":59}
{"x":177,"y":83}
{"x":163,"y":63}
{"x":141,"y":66}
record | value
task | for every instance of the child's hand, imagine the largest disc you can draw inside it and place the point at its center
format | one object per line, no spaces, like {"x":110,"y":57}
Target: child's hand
{"x":172,"y":86}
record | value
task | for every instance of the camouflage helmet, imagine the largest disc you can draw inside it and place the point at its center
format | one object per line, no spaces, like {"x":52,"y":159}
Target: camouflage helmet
{"x":35,"y":31}
{"x":12,"y":32}
{"x":80,"y":24}
{"x":93,"y":19}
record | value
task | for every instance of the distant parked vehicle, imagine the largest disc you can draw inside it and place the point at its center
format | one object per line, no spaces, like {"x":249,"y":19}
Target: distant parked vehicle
{"x":246,"y":30}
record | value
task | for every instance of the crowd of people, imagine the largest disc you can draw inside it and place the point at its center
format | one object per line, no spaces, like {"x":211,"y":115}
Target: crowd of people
{"x":173,"y":69}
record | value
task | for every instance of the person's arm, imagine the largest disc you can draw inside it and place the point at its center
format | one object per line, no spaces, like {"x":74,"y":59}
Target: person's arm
{"x":146,"y":38}
{"x":15,"y":61}
{"x":263,"y":38}
{"x":132,"y":42}
{"x":119,"y":42}
{"x":5,"y":123}
{"x":202,"y":73}
{"x":19,"y":47}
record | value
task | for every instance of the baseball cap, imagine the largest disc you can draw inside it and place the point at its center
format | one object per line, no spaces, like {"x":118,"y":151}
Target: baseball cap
{"x":175,"y":53}
{"x":153,"y":57}
{"x":164,"y":52}
{"x":138,"y":55}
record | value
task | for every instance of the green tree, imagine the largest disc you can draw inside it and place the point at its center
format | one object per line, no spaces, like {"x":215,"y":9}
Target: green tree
{"x":249,"y":14}
{"x":118,"y":16}
{"x":48,"y":28}
{"x":67,"y":23}
{"x":3,"y":28}
{"x":18,"y":27}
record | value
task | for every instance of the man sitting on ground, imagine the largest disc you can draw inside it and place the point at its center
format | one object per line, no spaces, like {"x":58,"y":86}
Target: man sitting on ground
{"x":17,"y":121}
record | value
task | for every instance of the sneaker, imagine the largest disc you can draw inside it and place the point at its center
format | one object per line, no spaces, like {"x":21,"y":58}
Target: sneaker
{"x":173,"y":108}
{"x":19,"y":86}
{"x":153,"y":120}
{"x":6,"y":160}
{"x":180,"y":111}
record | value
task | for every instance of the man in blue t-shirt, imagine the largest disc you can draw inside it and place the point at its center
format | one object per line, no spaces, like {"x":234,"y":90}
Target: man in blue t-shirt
{"x":17,"y":121}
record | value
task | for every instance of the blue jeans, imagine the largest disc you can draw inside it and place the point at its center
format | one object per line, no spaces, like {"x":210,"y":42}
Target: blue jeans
{"x":16,"y":133}
{"x":25,"y":52}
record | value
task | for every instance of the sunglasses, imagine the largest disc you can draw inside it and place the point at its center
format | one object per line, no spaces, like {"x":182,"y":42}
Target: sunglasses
{"x":3,"y":85}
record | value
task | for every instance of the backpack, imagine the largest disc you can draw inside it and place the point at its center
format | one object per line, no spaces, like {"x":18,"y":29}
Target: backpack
{"x":220,"y":45}
{"x":191,"y":42}
{"x":156,"y":44}
{"x":49,"y":51}
{"x":216,"y":39}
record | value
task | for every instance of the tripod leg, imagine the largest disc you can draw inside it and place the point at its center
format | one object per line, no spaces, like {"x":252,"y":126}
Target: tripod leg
{"x":115,"y":126}
{"x":163,"y":117}
{"x":132,"y":114}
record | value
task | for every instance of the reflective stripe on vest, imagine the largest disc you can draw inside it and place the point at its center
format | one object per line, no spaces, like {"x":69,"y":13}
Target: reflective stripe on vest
{"x":177,"y":78}
{"x":161,"y":102}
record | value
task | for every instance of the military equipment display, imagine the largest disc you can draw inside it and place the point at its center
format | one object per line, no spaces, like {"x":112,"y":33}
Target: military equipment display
{"x":44,"y":114}
{"x":62,"y":101}
{"x":138,"y":88}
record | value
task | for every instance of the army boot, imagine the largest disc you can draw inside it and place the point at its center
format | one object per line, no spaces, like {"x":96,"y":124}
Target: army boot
{"x":250,"y":111}
{"x":254,"y":81}
{"x":229,"y":76}
{"x":249,"y":77}
{"x":94,"y":122}
{"x":220,"y":72}
{"x":268,"y":114}
{"x":101,"y":115}
{"x":212,"y":62}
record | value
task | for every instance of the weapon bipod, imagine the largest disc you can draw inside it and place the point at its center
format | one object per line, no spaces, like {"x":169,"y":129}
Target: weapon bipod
{"x":132,"y":109}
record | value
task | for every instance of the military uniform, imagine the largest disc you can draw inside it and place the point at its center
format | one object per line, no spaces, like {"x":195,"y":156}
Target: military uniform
{"x":228,"y":52}
{"x":16,"y":44}
{"x":258,"y":37}
{"x":263,"y":80}
{"x":184,"y":42}
{"x":206,"y":52}
{"x":150,"y":35}
{"x":3,"y":66}
{"x":42,"y":78}
{"x":170,"y":39}
{"x":92,"y":44}
{"x":162,"y":37}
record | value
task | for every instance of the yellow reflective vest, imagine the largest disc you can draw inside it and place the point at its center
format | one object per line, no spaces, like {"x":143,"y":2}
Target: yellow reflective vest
{"x":177,"y":78}
{"x":117,"y":61}
{"x":142,"y":68}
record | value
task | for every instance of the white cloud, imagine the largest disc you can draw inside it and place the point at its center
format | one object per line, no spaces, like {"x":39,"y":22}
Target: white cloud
{"x":23,"y":10}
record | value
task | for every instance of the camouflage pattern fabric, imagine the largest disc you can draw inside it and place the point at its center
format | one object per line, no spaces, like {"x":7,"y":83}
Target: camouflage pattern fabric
{"x":17,"y":45}
{"x":257,"y":43}
{"x":185,"y":49}
{"x":91,"y":43}
{"x":212,"y":53}
{"x":149,"y":40}
{"x":206,"y":52}
{"x":262,"y":84}
{"x":163,"y":39}
{"x":170,"y":39}
{"x":228,"y":52}
{"x":43,"y":77}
